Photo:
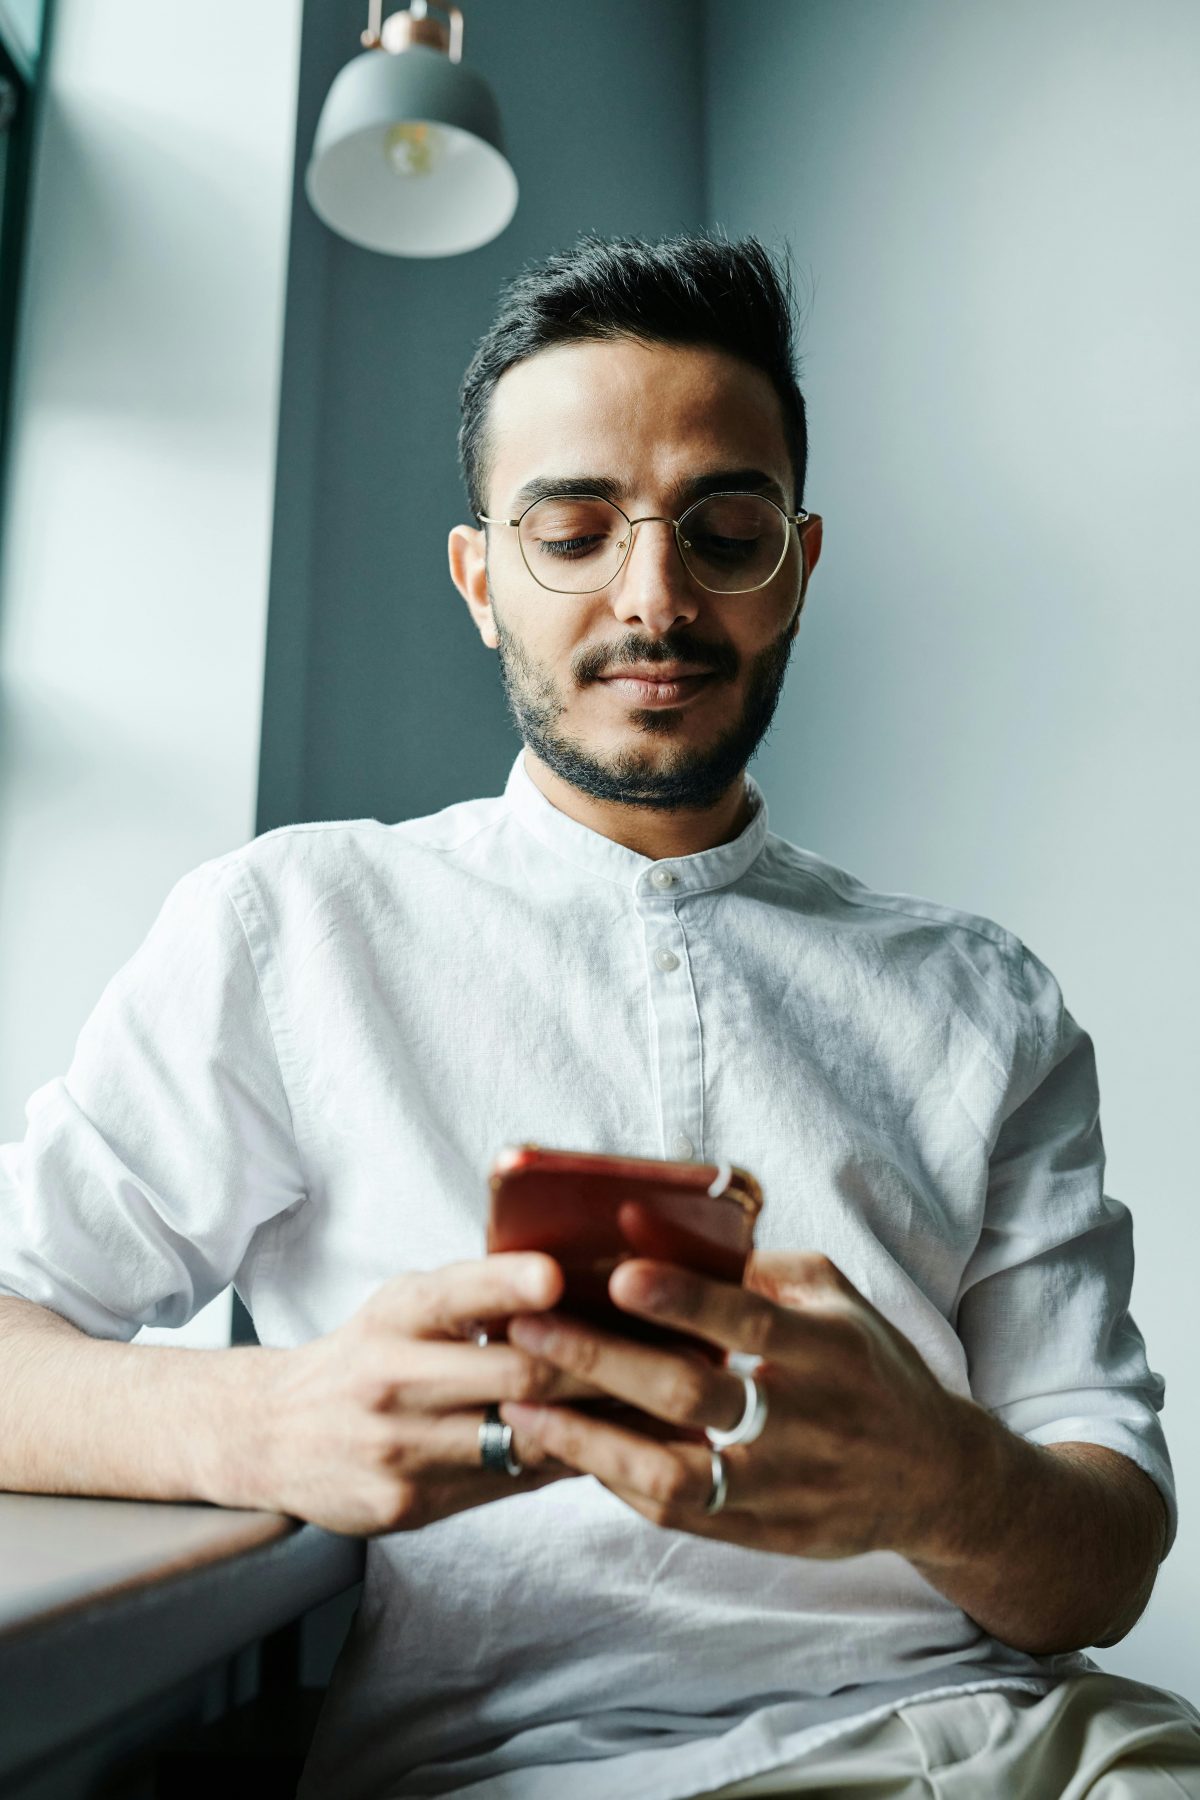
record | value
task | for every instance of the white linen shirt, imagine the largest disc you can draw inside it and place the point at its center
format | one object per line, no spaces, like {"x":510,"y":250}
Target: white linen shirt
{"x":299,"y":1082}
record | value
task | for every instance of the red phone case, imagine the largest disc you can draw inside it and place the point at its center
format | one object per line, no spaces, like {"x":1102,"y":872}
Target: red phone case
{"x":591,"y":1212}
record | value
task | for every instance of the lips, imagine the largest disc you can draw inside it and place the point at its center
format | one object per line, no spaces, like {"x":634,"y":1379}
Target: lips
{"x":658,"y":692}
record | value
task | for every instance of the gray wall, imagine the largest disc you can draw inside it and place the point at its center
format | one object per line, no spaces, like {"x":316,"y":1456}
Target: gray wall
{"x":992,"y":699}
{"x":380,"y":698}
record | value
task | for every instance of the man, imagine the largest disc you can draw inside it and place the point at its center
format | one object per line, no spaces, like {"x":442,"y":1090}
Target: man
{"x":955,"y":1478}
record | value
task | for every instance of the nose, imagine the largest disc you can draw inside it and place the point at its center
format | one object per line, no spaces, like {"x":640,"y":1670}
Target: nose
{"x":652,"y":585}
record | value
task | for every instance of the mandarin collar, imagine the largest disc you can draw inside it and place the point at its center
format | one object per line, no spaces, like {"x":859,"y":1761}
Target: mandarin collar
{"x":667,"y":878}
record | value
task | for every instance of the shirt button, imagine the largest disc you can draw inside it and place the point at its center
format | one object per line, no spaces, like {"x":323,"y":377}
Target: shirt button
{"x":666,"y":959}
{"x":683,"y":1147}
{"x":663,"y":878}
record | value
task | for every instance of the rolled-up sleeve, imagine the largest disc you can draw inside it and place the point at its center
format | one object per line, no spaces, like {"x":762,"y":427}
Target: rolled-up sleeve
{"x":146,"y":1169}
{"x":1043,"y":1307}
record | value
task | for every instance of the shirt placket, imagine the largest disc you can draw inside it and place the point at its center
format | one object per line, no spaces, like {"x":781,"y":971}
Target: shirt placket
{"x":675,"y":1040}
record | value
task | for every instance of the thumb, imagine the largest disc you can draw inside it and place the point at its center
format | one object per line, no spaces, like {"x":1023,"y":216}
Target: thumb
{"x":803,"y":1279}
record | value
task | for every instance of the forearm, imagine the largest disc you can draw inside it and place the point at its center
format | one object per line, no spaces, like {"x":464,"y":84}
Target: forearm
{"x":83,"y":1415}
{"x":1049,"y":1549}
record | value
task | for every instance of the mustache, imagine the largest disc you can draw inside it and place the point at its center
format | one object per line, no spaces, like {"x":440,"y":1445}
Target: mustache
{"x":712,"y":659}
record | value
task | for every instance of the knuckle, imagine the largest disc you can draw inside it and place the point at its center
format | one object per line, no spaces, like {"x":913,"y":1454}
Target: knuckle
{"x":565,"y":1439}
{"x":375,"y":1393}
{"x":659,"y":1513}
{"x":672,"y":1484}
{"x":402,"y":1506}
{"x":686,"y":1395}
{"x":382,"y":1449}
{"x":822,"y":1268}
{"x":531,"y":1380}
{"x":374,"y":1308}
{"x":764,"y":1330}
{"x":419,"y":1294}
{"x":584,"y":1353}
{"x":686,"y":1296}
{"x":812,"y":1274}
{"x":530,"y":1455}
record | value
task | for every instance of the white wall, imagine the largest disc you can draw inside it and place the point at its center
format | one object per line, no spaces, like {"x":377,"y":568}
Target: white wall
{"x":993,"y":698}
{"x":136,"y":542}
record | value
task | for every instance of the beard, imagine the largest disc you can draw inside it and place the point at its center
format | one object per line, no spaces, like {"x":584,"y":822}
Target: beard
{"x":688,"y":777}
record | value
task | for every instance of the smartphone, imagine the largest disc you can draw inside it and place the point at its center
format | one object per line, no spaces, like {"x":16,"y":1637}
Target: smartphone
{"x":591,"y":1212}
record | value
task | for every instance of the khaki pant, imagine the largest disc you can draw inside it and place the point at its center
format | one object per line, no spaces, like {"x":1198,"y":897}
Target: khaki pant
{"x":1095,"y":1734}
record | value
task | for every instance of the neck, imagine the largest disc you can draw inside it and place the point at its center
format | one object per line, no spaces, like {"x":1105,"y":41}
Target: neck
{"x":645,"y":829}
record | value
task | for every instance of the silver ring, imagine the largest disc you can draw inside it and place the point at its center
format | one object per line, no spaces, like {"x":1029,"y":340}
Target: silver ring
{"x":720,"y":1484}
{"x":750,"y":1425}
{"x":495,"y":1444}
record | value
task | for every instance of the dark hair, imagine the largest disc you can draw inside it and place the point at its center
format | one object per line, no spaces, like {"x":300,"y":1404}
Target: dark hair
{"x":690,"y":289}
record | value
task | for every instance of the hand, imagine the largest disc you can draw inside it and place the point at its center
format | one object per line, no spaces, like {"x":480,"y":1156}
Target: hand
{"x":375,"y":1426}
{"x":863,"y":1449}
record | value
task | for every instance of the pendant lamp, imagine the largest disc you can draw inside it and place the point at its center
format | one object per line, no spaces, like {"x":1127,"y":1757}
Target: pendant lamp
{"x":408,"y":156}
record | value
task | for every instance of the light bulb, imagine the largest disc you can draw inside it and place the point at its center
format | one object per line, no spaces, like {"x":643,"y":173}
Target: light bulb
{"x":414,"y":148}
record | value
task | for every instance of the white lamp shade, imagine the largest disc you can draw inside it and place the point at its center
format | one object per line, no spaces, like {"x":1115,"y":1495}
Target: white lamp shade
{"x":408,"y":156}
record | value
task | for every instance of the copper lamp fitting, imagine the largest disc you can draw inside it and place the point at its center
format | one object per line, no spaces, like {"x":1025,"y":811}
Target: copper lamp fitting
{"x":400,"y":30}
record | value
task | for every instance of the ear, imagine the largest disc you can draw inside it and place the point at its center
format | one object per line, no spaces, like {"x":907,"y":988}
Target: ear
{"x":810,"y":550}
{"x":468,"y":571}
{"x":811,"y":534}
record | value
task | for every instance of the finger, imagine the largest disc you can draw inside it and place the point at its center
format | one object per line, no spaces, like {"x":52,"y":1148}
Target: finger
{"x":442,"y":1302}
{"x":732,"y":1525}
{"x":458,"y":1493}
{"x":676,"y":1476}
{"x":439,"y":1377}
{"x":734,"y":1317}
{"x":449,"y":1445}
{"x":800,"y":1278}
{"x":619,"y":1412}
{"x":807,"y":1282}
{"x":682,"y":1387}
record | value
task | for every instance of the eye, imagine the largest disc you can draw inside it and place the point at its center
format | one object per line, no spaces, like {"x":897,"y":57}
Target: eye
{"x":568,"y":546}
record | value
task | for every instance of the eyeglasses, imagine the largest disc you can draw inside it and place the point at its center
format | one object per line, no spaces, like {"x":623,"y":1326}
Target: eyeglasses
{"x":734,"y":542}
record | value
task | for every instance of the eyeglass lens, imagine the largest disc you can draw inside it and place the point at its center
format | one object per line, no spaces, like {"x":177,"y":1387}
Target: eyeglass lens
{"x":729,"y":542}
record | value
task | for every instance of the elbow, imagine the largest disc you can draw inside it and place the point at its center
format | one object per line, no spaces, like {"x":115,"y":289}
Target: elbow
{"x":1129,"y":1615}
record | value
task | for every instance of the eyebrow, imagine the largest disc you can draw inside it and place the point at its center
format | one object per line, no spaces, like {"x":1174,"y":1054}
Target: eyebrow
{"x":713,"y":481}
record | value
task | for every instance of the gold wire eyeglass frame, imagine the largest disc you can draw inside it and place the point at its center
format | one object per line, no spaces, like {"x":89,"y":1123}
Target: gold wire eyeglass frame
{"x":790,"y":519}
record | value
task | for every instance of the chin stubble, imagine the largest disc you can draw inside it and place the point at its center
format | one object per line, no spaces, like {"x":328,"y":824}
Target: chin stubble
{"x":690,"y":778}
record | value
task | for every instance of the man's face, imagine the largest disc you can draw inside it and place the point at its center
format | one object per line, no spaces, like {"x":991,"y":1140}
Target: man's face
{"x":650,"y":417}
